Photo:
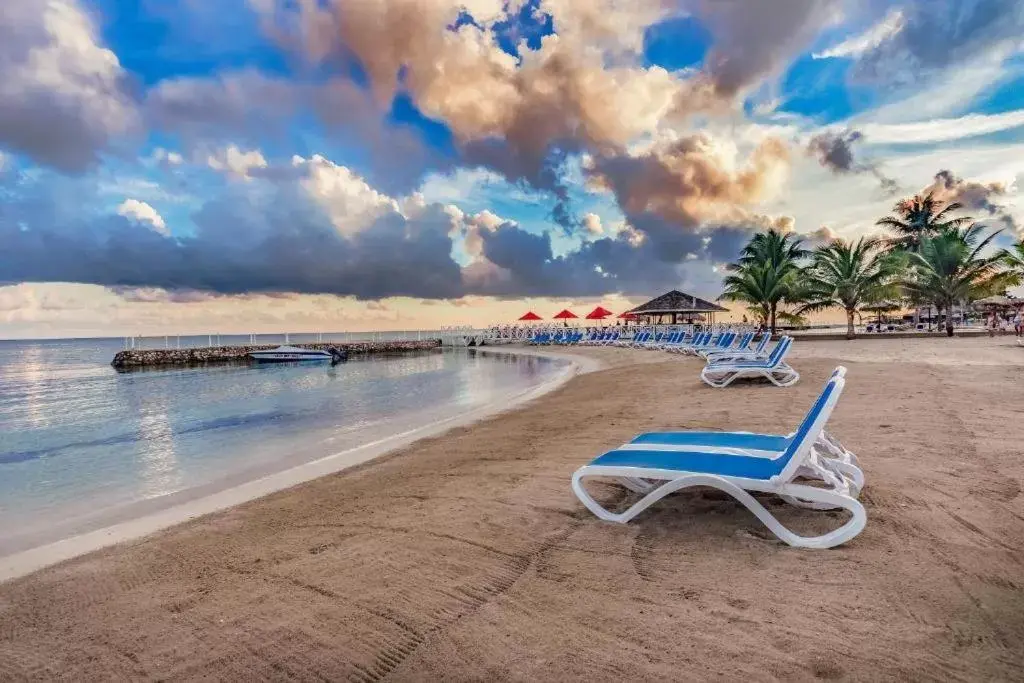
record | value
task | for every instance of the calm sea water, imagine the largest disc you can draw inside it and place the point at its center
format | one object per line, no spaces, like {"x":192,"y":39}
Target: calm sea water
{"x":81,"y":444}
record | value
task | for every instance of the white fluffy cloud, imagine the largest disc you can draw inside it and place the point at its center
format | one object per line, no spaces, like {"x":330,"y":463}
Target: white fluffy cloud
{"x":145,"y":214}
{"x":236,"y":162}
{"x":62,"y":94}
{"x":350,"y":202}
{"x":592,"y":225}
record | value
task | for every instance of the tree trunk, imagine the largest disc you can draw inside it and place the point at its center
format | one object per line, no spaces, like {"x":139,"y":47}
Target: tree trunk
{"x":850,"y":331}
{"x":773,"y":311}
{"x":949,"y":319}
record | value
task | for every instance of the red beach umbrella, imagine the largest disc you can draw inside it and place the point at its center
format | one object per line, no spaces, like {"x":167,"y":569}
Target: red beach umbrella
{"x":627,"y":316}
{"x":531,"y":316}
{"x":565,"y":314}
{"x":598,"y":313}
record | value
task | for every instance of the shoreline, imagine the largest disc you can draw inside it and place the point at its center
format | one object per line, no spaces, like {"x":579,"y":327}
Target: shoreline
{"x":233,"y":493}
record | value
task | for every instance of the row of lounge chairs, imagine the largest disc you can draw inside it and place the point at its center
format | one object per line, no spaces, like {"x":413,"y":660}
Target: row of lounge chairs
{"x":808,"y":468}
{"x":729,"y":356}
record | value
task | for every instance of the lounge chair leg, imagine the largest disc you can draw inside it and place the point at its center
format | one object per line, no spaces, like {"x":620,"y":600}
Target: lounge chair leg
{"x":804,"y":493}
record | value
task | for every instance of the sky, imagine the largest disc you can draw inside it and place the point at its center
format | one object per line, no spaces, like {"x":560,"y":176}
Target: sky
{"x":186,"y":166}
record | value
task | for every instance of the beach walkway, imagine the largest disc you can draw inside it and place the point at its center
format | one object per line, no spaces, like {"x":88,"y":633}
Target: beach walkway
{"x":466,"y":557}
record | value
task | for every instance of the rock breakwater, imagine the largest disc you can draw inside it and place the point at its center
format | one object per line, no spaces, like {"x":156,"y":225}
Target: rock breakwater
{"x":140,"y":358}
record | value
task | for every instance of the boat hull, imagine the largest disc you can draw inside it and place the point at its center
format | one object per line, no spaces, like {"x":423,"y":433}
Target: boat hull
{"x":286,"y":358}
{"x":289,"y":354}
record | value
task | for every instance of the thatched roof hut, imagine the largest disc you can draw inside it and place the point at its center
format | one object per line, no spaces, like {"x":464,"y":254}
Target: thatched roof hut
{"x":677,"y":306}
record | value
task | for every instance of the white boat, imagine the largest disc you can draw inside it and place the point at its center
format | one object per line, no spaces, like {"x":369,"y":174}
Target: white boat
{"x":283,"y":354}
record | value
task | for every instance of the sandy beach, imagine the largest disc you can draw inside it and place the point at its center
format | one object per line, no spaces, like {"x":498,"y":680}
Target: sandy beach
{"x":466,"y":556}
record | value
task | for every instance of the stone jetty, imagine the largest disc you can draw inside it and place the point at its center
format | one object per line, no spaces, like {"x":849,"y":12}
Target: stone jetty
{"x":141,"y":358}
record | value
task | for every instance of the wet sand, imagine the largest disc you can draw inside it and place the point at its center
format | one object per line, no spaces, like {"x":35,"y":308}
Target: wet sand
{"x":466,"y":556}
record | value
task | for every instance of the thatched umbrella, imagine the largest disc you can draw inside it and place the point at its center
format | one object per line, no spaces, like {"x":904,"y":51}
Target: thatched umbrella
{"x":881,"y":307}
{"x":998,"y":302}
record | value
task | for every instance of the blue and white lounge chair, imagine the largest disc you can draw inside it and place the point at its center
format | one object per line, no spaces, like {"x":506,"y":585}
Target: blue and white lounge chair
{"x":667,"y":340}
{"x":682,"y":339}
{"x":724,"y":341}
{"x":756,"y":353}
{"x":721,"y":374}
{"x":686,"y":343}
{"x":699,"y":341}
{"x":656,"y":473}
{"x":639,"y":340}
{"x":831,"y":454}
{"x":628,"y":341}
{"x":739,"y":347}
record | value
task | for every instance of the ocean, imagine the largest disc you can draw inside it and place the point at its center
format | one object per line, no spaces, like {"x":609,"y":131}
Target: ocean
{"x":83,"y":445}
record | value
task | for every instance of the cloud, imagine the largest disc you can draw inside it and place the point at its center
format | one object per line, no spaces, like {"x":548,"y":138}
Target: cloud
{"x":672,"y":190}
{"x":592,"y":225}
{"x":245,"y":103}
{"x":166,"y":158}
{"x":974,"y":197}
{"x":871,"y":39}
{"x":753,"y":41}
{"x":942,"y":130}
{"x":143,"y":213}
{"x":278,"y":233}
{"x":63,"y":97}
{"x":834,"y":151}
{"x":583,"y":89}
{"x":264,"y":236}
{"x":235,"y":162}
{"x":347,"y":199}
{"x":528,"y":110}
{"x":153,"y":295}
{"x":820,"y":237}
{"x":940,"y":34}
{"x":616,"y":28}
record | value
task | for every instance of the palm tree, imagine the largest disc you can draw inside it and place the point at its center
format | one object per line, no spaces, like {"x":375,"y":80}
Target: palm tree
{"x":1014,"y":258}
{"x":765,"y":276}
{"x":850,"y":275}
{"x":782,"y":250}
{"x":949,"y":269}
{"x":920,"y":217}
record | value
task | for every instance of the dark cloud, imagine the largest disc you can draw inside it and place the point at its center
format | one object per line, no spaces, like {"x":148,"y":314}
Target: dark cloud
{"x":63,"y":98}
{"x":834,"y":151}
{"x":268,"y":236}
{"x":756,"y":40}
{"x":248,"y":240}
{"x":974,"y":197}
{"x":528,"y":267}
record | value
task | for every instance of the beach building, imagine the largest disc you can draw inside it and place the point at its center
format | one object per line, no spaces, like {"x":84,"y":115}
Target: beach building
{"x":677,"y":307}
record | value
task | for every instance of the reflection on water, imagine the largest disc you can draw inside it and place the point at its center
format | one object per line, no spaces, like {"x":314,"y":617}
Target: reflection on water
{"x":158,"y":463}
{"x":32,"y":374}
{"x":79,"y":439}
